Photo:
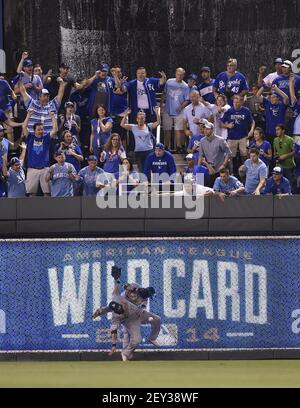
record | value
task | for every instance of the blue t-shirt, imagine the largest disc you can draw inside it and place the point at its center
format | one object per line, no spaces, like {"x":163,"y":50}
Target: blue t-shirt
{"x":195,"y":141}
{"x":243,"y":121}
{"x":199,"y":172}
{"x":4,"y":147}
{"x":176,"y":94}
{"x":253,"y":175}
{"x":265,"y":146}
{"x":296,"y":112}
{"x":16,"y":184}
{"x":112,"y":161}
{"x":275,"y":115}
{"x":159,"y":165}
{"x":105,"y":86}
{"x":69,"y":157}
{"x":235,"y":85}
{"x":62,"y":185}
{"x":297,"y":158}
{"x":100,"y":138}
{"x":38,"y":149}
{"x":119,"y":104}
{"x":232,"y":185}
{"x":89,"y":178}
{"x":82,"y":99}
{"x":284,"y":187}
{"x":206,"y":91}
{"x":283,"y":83}
{"x":5,"y":91}
{"x":3,"y":117}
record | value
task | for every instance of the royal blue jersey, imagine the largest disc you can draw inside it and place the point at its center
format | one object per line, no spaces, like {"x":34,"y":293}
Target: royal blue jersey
{"x":284,"y":187}
{"x":159,"y":165}
{"x":100,"y":138}
{"x":275,"y":115}
{"x":297,"y":158}
{"x":232,"y":86}
{"x":283,"y":83}
{"x":242,"y":120}
{"x":38,"y":149}
{"x":5,"y":91}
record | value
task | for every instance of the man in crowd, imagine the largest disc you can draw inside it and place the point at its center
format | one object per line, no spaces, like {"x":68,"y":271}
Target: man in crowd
{"x":38,"y":151}
{"x":206,"y":86}
{"x":62,"y":176}
{"x":284,"y":153}
{"x":227,"y":185}
{"x":283,"y":81}
{"x":89,"y":175}
{"x":193,"y":113}
{"x":214,"y":153}
{"x":231,"y":82}
{"x":32,"y":83}
{"x":240,"y":124}
{"x":277,"y":184}
{"x":192,"y":81}
{"x":176,"y":97}
{"x":254,"y":104}
{"x":16,"y":187}
{"x":267,"y":81}
{"x":160,"y":162}
{"x":142,"y":94}
{"x":256,"y":173}
{"x":119,"y":104}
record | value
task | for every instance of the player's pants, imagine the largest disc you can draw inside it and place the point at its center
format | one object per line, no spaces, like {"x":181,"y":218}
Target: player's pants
{"x":155,"y":323}
{"x":133,"y":328}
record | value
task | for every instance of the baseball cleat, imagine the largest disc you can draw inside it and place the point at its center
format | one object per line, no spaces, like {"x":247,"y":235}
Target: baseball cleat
{"x":98,"y":313}
{"x":124,"y":358}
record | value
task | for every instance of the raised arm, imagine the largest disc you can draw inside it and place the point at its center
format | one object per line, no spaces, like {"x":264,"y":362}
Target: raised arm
{"x":25,"y":123}
{"x":292,"y":89}
{"x":163,"y":78}
{"x":259,"y":94}
{"x":158,"y":118}
{"x":61,"y":91}
{"x":23,"y":91}
{"x":286,"y":99}
{"x":124,"y":123}
{"x":25,"y":55}
{"x":54,"y":130}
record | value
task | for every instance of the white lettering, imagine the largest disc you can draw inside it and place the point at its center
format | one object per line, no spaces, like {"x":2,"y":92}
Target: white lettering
{"x":231,"y":291}
{"x":261,"y":273}
{"x":201,"y":279}
{"x":169,"y":266}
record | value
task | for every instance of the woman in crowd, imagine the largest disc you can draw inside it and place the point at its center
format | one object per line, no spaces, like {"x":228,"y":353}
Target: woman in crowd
{"x":71,"y":149}
{"x":143,"y":136}
{"x":113,"y":154}
{"x":70,"y":121}
{"x":101,"y":130}
{"x":128,"y":177}
{"x":263,"y":145}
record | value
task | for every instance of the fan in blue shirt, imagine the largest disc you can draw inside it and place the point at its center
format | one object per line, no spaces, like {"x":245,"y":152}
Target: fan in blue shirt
{"x":283,"y":81}
{"x":206,"y":87}
{"x":160,"y":162}
{"x":239,"y":120}
{"x":277,"y":184}
{"x":231,"y":82}
{"x":227,"y":185}
{"x":89,"y":175}
{"x":5,"y":93}
{"x":262,"y":145}
{"x":62,"y":175}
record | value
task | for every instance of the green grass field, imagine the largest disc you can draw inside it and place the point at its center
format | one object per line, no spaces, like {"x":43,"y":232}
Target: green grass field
{"x":156,"y":374}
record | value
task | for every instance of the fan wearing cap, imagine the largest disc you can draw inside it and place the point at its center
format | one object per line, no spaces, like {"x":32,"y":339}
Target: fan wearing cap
{"x":277,"y":184}
{"x":267,"y":81}
{"x":32,"y":83}
{"x":42,"y":107}
{"x":206,"y":87}
{"x":16,"y":187}
{"x":295,"y":106}
{"x":70,"y":121}
{"x":192,"y":81}
{"x":89,"y":175}
{"x":188,"y":170}
{"x":231,"y":82}
{"x":214,"y":153}
{"x":283,"y":81}
{"x":62,"y":176}
{"x":160,"y":162}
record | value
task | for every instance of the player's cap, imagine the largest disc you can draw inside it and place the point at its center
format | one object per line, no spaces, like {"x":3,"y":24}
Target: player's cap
{"x":69,"y":105}
{"x":104,"y":68}
{"x":14,"y":160}
{"x":190,"y":157}
{"x":92,"y":158}
{"x":193,"y":77}
{"x":278,"y":61}
{"x":205,"y":69}
{"x":45,"y":92}
{"x":64,"y":66}
{"x":277,"y":170}
{"x":27,"y":63}
{"x":287,"y":64}
{"x":203,"y":122}
{"x":209,"y":125}
{"x":159,"y":146}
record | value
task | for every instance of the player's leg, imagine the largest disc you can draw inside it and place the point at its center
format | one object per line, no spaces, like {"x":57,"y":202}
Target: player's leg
{"x":155,"y":322}
{"x":135,"y":338}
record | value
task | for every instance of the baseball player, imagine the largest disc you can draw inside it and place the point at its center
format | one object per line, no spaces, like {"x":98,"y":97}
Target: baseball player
{"x":129,"y":310}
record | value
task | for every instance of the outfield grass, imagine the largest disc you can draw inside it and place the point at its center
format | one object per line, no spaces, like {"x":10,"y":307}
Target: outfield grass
{"x":151,"y":374}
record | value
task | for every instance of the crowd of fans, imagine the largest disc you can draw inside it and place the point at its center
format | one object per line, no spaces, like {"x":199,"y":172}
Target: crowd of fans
{"x":63,"y":137}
